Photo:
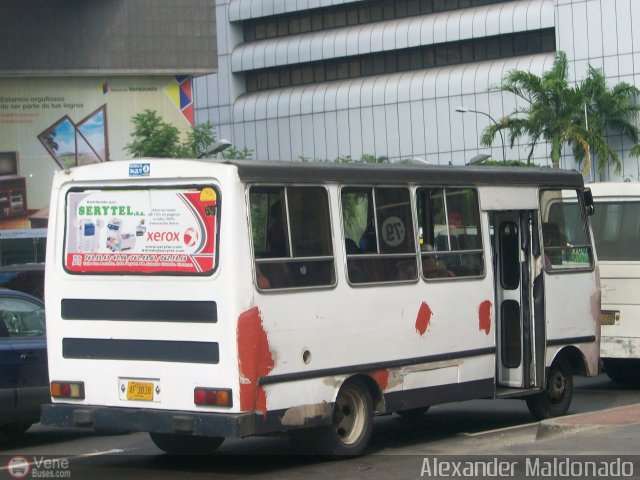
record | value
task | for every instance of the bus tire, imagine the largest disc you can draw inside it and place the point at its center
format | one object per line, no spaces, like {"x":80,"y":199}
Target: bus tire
{"x":176,"y":444}
{"x":351,"y":424}
{"x":413,"y":413}
{"x":554,"y":401}
{"x":622,"y":370}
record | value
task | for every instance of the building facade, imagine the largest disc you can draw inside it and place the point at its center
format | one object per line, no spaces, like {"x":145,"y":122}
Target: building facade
{"x":323,"y":79}
{"x":73,"y":73}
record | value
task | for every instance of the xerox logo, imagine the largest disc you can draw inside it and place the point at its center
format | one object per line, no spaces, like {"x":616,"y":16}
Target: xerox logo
{"x":163,"y":237}
{"x":190,"y":237}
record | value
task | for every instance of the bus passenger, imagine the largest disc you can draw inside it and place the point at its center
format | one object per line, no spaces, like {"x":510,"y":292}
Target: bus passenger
{"x":276,"y":238}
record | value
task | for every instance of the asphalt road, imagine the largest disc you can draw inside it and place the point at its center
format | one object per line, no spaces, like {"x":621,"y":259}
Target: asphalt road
{"x":398,"y":445}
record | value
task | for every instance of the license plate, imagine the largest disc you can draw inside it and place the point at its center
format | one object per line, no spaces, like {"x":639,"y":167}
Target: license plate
{"x":140,"y":391}
{"x":608,"y":318}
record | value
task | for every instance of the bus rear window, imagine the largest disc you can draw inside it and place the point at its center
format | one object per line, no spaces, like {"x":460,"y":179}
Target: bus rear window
{"x":142,"y":231}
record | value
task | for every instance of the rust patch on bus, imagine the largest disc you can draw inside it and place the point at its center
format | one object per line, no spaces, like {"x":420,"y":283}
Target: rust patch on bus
{"x":484,"y":316}
{"x":332,"y":382}
{"x":300,"y":415}
{"x":424,"y":317}
{"x":254,"y":360}
{"x":382,"y":378}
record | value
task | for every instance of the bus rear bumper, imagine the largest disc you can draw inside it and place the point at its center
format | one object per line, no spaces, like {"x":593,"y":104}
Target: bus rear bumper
{"x":116,"y":419}
{"x":619,"y":347}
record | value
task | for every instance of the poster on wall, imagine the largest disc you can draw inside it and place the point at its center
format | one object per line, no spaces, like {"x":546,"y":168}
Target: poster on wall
{"x":48,"y":124}
{"x":141,"y":231}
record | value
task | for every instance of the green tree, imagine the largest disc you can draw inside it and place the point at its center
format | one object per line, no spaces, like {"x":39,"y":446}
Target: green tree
{"x":608,"y":110}
{"x":233,"y":153}
{"x":198,"y":141}
{"x":152,"y":137}
{"x":369,"y":158}
{"x":549,"y":113}
{"x":558,"y":113}
{"x":155,"y":138}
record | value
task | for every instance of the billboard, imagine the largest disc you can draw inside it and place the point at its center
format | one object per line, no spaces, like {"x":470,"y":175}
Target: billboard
{"x":47,"y":124}
{"x":143,"y":231}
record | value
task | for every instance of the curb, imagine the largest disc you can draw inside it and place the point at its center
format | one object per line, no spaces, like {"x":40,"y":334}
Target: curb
{"x":581,"y":422}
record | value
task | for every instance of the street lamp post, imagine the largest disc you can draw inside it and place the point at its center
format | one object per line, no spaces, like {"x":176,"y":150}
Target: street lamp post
{"x":465,"y":110}
{"x":216,"y":148}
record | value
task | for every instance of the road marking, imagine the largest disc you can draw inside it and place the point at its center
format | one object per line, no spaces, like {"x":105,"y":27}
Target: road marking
{"x":71,"y":457}
{"x":498,"y":430}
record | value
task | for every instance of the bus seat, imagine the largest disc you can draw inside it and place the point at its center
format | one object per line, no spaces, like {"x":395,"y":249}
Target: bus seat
{"x":351,"y":247}
{"x":552,"y":236}
{"x":467,"y":241}
{"x":443,"y":246}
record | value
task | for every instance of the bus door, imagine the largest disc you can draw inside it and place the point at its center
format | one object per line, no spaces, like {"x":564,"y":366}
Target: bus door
{"x":519,"y":312}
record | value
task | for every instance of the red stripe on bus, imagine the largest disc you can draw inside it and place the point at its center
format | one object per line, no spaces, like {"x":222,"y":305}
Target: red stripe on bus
{"x":254,"y":359}
{"x":424,"y":317}
{"x":484,"y":316}
{"x":382,"y":378}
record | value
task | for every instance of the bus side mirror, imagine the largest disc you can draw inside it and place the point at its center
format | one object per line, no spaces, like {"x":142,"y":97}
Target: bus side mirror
{"x":588,"y":201}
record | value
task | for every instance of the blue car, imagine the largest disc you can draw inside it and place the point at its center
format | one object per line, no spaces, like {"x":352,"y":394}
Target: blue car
{"x":24,"y":379}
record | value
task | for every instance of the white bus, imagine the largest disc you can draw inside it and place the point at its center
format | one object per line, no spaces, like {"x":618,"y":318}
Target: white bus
{"x":203,"y":301}
{"x":616,"y":233}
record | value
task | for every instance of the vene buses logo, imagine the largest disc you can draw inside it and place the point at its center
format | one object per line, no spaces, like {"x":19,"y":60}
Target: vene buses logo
{"x":18,"y":467}
{"x":40,"y":467}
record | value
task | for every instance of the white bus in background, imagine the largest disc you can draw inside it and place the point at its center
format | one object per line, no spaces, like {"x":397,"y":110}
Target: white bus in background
{"x":225,"y":300}
{"x":616,"y":232}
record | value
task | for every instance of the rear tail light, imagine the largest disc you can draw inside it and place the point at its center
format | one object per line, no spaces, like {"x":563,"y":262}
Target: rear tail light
{"x":73,"y":390}
{"x":219,"y":397}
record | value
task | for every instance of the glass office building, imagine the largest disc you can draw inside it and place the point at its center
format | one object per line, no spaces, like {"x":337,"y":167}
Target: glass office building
{"x":322,"y":79}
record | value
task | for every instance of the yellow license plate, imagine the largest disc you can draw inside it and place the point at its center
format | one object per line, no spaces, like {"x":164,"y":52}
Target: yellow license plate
{"x":608,"y":318}
{"x":140,"y":391}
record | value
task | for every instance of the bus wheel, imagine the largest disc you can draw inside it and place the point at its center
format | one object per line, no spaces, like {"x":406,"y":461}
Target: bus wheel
{"x":185,"y":444}
{"x":622,"y":370}
{"x":413,"y":413}
{"x":351,"y":424}
{"x":554,"y":401}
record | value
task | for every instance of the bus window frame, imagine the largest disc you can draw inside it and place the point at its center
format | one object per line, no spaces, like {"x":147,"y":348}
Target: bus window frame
{"x":604,"y":202}
{"x":290,"y":259}
{"x":364,"y":256}
{"x":422,"y":254}
{"x":585,"y":227}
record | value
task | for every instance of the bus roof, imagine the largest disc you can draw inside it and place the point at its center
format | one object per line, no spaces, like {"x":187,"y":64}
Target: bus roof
{"x":363,"y":173}
{"x":615,"y":189}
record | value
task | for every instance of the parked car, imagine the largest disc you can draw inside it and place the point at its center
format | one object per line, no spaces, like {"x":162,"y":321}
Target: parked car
{"x":24,"y":379}
{"x":27,"y":277}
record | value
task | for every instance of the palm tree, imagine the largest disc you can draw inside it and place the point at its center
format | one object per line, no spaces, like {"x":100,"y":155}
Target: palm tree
{"x":549,"y":113}
{"x":609,"y":110}
{"x":558,"y":113}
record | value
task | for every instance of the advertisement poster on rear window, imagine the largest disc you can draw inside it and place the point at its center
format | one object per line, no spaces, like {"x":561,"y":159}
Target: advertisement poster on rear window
{"x":162,"y":231}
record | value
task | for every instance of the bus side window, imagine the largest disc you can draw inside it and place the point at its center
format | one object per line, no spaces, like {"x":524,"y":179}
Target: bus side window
{"x":291,"y":234}
{"x":564,"y":231}
{"x":449,"y":221}
{"x":379,"y":234}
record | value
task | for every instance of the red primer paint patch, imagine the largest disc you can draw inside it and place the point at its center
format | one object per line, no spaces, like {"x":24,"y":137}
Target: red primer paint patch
{"x":484,"y":316}
{"x":254,"y":359}
{"x":424,"y":317}
{"x":382,"y":378}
